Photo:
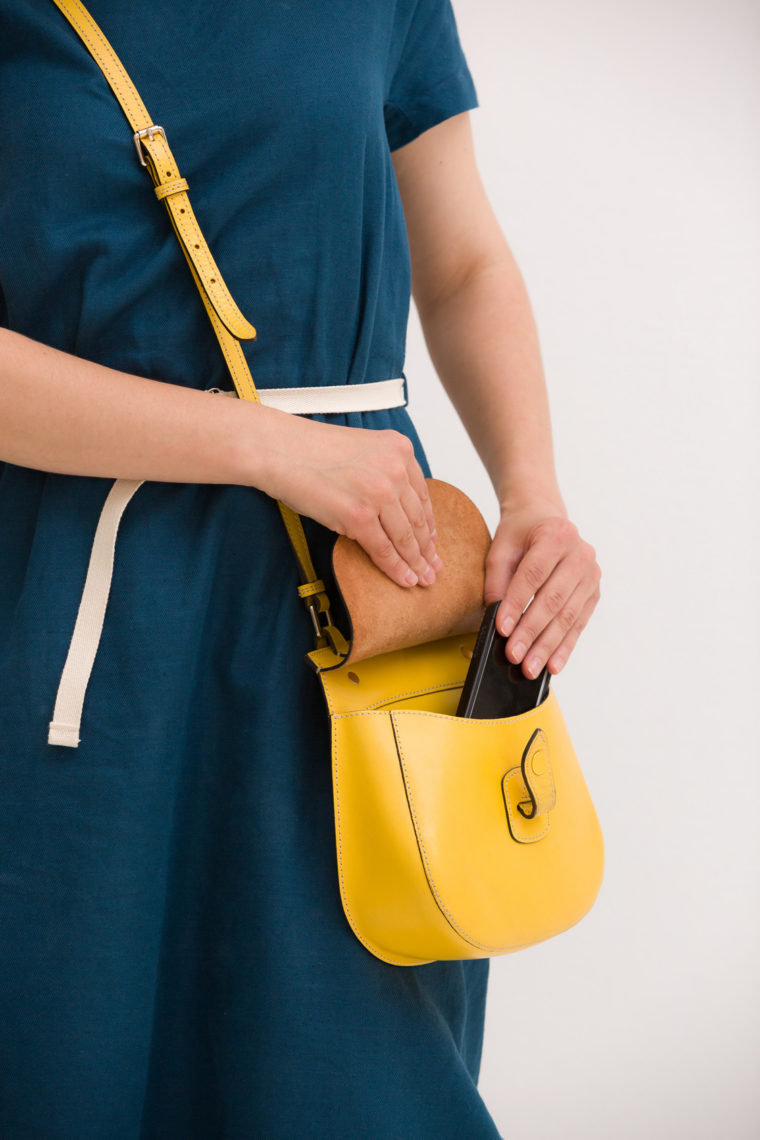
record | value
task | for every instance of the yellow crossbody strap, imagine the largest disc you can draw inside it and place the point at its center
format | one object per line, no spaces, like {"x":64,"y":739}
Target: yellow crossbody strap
{"x":229,"y":324}
{"x":154,"y":153}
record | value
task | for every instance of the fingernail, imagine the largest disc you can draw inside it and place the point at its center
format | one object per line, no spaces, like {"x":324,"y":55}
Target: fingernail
{"x":412,"y":578}
{"x":557,"y":663}
{"x":517,"y":651}
{"x":534,"y":666}
{"x":428,"y":576}
{"x":437,"y":564}
{"x":507,"y":626}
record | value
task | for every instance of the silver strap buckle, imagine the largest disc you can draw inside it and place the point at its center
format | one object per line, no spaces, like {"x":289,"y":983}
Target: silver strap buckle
{"x":146,"y":133}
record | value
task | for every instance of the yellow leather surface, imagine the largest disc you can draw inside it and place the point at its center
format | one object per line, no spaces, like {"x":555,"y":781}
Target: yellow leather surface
{"x":497,"y":893}
{"x":430,"y":865}
{"x":428,"y":676}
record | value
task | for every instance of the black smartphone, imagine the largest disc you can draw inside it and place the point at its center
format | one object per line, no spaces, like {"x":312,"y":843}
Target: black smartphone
{"x":494,"y":686}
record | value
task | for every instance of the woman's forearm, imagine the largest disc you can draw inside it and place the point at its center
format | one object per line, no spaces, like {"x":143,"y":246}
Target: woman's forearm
{"x":483,"y":342}
{"x":63,"y":414}
{"x":481,"y":335}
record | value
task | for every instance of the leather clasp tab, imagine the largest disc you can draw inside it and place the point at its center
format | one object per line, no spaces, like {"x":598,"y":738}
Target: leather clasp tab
{"x":537,"y":775}
{"x":529,"y":792}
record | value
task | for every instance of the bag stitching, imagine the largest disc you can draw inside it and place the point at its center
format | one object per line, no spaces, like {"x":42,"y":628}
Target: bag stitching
{"x":352,"y":922}
{"x":375,"y":708}
{"x":428,"y":871}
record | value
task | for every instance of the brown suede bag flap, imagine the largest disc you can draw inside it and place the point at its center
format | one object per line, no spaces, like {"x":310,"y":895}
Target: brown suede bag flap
{"x":386,"y":617}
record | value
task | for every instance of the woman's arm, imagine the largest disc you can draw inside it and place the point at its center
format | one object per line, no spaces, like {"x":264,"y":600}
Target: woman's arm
{"x":63,"y":414}
{"x":480,"y":332}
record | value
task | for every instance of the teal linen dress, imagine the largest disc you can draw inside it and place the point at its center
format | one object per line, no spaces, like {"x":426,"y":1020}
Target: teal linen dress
{"x":174,"y":959}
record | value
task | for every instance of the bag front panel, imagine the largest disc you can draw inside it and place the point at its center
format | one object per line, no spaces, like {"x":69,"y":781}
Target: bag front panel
{"x":498,"y":891}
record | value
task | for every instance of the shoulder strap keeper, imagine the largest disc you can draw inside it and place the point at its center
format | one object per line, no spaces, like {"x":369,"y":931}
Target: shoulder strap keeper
{"x":310,"y":588}
{"x":171,"y":188}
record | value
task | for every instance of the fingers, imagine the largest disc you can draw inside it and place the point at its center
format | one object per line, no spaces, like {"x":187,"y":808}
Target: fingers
{"x":419,"y":486}
{"x":501,"y":563}
{"x":400,"y":522}
{"x":548,"y":546}
{"x":559,"y":657}
{"x":381,"y":549}
{"x":557,"y":640}
{"x":391,"y":542}
{"x":562,"y":604}
{"x":396,"y":525}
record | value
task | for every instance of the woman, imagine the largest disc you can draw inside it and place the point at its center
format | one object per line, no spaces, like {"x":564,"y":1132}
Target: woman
{"x":175,"y":960}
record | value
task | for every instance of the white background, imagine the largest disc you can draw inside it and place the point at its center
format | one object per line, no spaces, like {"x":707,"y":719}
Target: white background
{"x":618,"y":141}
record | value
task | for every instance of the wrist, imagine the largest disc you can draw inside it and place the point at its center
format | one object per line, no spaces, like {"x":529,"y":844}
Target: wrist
{"x":523,"y":478}
{"x":532,"y":494}
{"x":274,"y":448}
{"x":256,"y":448}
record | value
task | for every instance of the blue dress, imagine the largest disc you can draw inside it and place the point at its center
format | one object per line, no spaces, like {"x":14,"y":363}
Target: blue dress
{"x":174,"y":959}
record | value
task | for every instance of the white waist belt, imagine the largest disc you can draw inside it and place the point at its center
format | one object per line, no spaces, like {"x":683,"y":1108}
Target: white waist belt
{"x":67,"y":715}
{"x":335,"y":398}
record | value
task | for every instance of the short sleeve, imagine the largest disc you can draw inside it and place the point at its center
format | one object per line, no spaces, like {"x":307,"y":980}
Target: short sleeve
{"x":430,"y":77}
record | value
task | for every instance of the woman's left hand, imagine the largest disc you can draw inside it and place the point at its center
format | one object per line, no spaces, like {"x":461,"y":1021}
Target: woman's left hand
{"x":538,"y":554}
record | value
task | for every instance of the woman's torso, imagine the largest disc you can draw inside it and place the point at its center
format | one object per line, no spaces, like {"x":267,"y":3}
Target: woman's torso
{"x":275,"y":114}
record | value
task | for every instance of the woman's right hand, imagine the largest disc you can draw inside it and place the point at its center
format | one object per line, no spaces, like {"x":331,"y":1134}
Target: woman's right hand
{"x":362,"y":483}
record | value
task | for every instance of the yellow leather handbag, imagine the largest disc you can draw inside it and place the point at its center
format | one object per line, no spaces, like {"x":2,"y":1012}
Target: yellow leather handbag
{"x":455,"y":838}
